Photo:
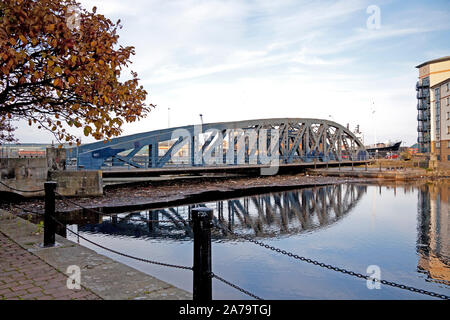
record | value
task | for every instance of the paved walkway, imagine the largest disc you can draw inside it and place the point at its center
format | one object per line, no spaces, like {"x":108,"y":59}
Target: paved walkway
{"x":24,"y":276}
{"x":25,"y":266}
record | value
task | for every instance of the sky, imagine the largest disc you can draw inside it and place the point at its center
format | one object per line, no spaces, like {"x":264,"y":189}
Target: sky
{"x":238,"y":60}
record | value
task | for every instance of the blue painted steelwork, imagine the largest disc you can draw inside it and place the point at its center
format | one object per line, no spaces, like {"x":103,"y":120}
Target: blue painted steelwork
{"x":291,"y":212}
{"x":289,"y":140}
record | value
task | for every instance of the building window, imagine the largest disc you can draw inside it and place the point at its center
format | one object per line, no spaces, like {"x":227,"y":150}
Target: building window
{"x":448,"y":100}
{"x":448,"y":157}
{"x":448,"y":130}
{"x":438,"y":145}
{"x":448,"y":146}
{"x":448,"y":115}
{"x":447,"y":88}
{"x":439,"y":157}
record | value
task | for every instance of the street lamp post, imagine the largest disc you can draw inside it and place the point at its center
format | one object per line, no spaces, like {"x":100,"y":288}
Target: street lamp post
{"x":168,"y":117}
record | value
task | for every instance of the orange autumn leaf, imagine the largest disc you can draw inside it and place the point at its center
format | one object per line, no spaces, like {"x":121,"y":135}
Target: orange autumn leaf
{"x":74,"y":78}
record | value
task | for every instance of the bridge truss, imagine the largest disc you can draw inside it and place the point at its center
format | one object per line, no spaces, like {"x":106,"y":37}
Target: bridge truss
{"x":286,"y":140}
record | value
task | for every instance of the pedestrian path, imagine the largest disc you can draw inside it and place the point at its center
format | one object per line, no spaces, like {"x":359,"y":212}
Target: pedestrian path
{"x":105,"y":278}
{"x":24,"y":276}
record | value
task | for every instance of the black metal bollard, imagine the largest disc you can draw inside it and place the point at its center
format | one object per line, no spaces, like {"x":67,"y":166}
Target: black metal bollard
{"x":201,"y":219}
{"x":49,"y":223}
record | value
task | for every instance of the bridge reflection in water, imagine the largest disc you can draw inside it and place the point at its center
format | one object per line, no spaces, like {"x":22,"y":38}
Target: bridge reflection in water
{"x":267,"y":215}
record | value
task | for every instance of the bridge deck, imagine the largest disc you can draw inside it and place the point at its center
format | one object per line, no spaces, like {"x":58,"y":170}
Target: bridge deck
{"x":237,"y":169}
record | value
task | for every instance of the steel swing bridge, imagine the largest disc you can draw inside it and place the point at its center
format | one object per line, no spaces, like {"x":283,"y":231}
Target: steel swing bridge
{"x":249,"y":142}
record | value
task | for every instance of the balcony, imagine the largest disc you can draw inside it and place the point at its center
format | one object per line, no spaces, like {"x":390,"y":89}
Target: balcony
{"x":423,"y":127}
{"x":422,"y":117}
{"x":421,"y":105}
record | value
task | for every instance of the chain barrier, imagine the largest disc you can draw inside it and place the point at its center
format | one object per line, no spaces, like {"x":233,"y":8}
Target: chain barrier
{"x":149,"y":261}
{"x":108,"y":249}
{"x":330,"y":267}
{"x":213,"y":275}
{"x":18,"y":190}
{"x":259,"y":243}
{"x":121,"y":253}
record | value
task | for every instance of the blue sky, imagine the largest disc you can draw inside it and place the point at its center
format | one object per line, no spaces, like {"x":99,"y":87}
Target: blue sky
{"x":236,"y":60}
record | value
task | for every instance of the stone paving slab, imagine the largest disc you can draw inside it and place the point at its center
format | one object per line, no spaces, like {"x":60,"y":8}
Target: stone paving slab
{"x":24,"y":276}
{"x":103,"y":276}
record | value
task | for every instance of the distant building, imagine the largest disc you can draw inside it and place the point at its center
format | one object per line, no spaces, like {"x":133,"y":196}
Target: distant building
{"x":414,"y":148}
{"x":23,"y":150}
{"x":434,"y":110}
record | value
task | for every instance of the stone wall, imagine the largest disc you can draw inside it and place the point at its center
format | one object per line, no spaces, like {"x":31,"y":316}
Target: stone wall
{"x":31,"y":173}
{"x":78,"y":183}
{"x":24,"y":174}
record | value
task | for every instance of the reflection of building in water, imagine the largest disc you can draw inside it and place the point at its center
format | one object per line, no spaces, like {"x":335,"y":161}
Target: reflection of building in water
{"x":266,"y":215}
{"x":433,"y":244}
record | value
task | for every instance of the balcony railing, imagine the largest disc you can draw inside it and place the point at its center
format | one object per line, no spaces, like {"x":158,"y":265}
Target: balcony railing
{"x":422,"y":117}
{"x":423,"y":127}
{"x":421,"y":105}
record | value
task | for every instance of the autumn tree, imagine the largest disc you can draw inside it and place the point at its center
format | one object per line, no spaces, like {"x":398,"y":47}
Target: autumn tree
{"x":61,"y":65}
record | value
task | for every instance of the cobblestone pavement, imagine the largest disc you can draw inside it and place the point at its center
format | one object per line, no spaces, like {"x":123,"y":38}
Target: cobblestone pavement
{"x":23,"y":276}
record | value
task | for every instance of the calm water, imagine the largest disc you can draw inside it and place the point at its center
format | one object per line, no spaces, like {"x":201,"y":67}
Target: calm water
{"x":404,"y":230}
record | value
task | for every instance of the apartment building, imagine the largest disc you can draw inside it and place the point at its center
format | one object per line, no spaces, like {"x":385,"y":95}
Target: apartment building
{"x":433,"y":110}
{"x":441,"y":104}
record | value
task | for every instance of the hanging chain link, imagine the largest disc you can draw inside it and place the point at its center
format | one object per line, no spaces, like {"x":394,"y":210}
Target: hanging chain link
{"x":330,"y":267}
{"x":123,"y":254}
{"x":213,"y":275}
{"x":259,"y":243}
